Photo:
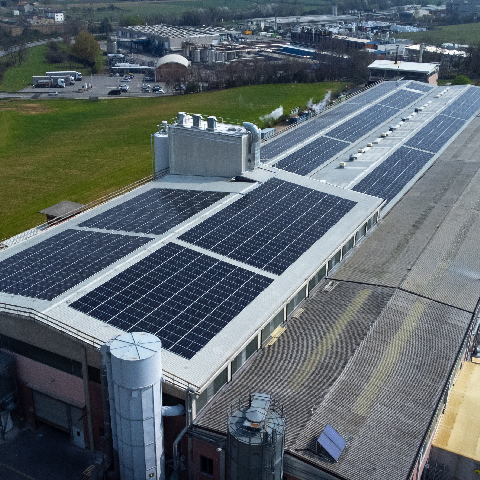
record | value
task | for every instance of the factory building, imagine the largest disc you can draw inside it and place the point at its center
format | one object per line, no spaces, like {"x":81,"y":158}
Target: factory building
{"x":296,"y":308}
{"x":399,"y":70}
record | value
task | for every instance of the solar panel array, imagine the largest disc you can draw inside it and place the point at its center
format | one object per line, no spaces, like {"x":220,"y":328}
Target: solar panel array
{"x":465,"y":105}
{"x":270,"y":227}
{"x":57,"y":264}
{"x":303,"y":132}
{"x":358,"y":126}
{"x":401,"y":99}
{"x":422,"y":87}
{"x":182,"y":296}
{"x":389,"y":178}
{"x":311,"y":156}
{"x":433,"y":136}
{"x":155,"y":211}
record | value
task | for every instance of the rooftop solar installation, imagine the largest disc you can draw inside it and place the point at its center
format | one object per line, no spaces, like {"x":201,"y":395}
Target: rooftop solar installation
{"x":335,"y":437}
{"x":465,"y":105}
{"x":311,"y":156}
{"x":361,"y":124}
{"x":155,"y":211}
{"x":57,"y":264}
{"x":303,"y":132}
{"x":329,"y":446}
{"x":389,"y":178}
{"x":422,"y":87}
{"x":182,"y":296}
{"x":433,"y":136}
{"x":271,"y":226}
{"x":401,"y":99}
{"x":326,"y":119}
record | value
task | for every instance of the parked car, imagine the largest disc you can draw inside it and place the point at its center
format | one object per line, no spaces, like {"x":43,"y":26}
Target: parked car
{"x":114,"y":92}
{"x":123,"y":87}
{"x":52,"y":94}
{"x":159,"y":90}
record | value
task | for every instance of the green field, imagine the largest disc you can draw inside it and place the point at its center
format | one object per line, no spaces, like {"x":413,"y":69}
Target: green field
{"x":54,"y":150}
{"x":465,"y":34}
{"x":20,"y":76}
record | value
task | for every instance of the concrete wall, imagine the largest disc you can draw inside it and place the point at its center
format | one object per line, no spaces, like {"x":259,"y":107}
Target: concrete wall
{"x":199,"y":152}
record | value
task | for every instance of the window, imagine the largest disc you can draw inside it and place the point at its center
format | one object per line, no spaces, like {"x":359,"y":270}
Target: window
{"x":314,"y":281}
{"x":220,"y":380}
{"x":334,"y":260}
{"x":206,"y":465}
{"x":347,"y":247}
{"x":245,"y":354}
{"x":296,"y":300}
{"x":361,"y":233}
{"x":274,"y":323}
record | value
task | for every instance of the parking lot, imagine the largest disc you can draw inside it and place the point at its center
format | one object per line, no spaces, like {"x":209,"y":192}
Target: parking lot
{"x":100,"y":86}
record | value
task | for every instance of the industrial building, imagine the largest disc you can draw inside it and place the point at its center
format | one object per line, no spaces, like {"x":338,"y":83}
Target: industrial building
{"x":315,"y":296}
{"x":393,"y":70}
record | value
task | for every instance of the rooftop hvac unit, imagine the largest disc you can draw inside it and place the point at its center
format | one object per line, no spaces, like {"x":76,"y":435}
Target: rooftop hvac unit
{"x":369,"y":144}
{"x":361,"y":150}
{"x":385,"y":134}
{"x":353,"y":156}
{"x":341,"y":165}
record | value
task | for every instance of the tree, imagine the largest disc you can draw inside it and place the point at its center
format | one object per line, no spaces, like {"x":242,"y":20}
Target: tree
{"x":105,"y":26}
{"x":461,"y":80}
{"x":86,"y":48}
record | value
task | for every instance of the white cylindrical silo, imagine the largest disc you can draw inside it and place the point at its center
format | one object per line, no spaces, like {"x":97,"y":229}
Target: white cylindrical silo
{"x":136,"y":372}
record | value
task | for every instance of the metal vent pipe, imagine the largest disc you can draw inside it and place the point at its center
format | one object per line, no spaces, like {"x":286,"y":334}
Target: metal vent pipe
{"x":254,"y":130}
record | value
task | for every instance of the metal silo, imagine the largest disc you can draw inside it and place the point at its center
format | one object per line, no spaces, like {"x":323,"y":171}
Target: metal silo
{"x":256,"y":439}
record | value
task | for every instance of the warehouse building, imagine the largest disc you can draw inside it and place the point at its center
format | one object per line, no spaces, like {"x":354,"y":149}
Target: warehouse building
{"x":321,"y":267}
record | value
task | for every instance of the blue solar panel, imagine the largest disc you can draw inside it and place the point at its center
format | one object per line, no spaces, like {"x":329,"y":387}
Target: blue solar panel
{"x":465,"y":105}
{"x":182,"y":296}
{"x":271,"y":226}
{"x":311,"y":156}
{"x":329,"y":446}
{"x":336,"y":438}
{"x":57,"y":264}
{"x":361,"y":124}
{"x":422,"y":87}
{"x":389,"y":178}
{"x":433,"y":136}
{"x":400,"y":99}
{"x":325,"y":120}
{"x":155,"y":211}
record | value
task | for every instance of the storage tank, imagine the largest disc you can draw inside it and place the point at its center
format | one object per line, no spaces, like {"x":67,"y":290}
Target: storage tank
{"x":256,"y":439}
{"x":196,"y":56}
{"x":112,"y":45}
{"x":134,"y":371}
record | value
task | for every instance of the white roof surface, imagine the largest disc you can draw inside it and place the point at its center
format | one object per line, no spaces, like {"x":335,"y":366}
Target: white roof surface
{"x":403,"y":66}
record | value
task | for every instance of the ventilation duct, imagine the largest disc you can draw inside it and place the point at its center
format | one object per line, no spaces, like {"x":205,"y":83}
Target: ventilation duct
{"x":253,"y":129}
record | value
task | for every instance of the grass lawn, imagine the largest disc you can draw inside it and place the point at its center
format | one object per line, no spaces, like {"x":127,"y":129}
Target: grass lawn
{"x":19,"y":77}
{"x":54,"y":150}
{"x":467,"y":33}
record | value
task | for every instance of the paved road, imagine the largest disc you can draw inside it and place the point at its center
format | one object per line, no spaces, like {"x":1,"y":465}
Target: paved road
{"x":28,"y":45}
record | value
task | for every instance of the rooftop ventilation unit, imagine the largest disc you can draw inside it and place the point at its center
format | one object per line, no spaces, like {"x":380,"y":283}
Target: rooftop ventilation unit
{"x":341,"y":165}
{"x":212,"y":123}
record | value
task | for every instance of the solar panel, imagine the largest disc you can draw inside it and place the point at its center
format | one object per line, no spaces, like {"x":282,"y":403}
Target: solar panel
{"x":311,"y":156}
{"x":271,"y":226}
{"x":329,"y":446}
{"x":182,"y":296}
{"x":361,"y":124}
{"x":422,"y":87}
{"x":326,"y":119}
{"x":336,"y":438}
{"x":155,"y":211}
{"x":389,"y":178}
{"x":465,"y":105}
{"x":57,"y":264}
{"x":400,"y":99}
{"x":433,"y":136}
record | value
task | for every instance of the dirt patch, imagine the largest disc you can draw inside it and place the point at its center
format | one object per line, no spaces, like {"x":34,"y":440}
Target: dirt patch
{"x":22,"y":107}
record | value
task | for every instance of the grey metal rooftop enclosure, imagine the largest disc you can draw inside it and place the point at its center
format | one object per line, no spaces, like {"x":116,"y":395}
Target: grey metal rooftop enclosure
{"x":256,"y":439}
